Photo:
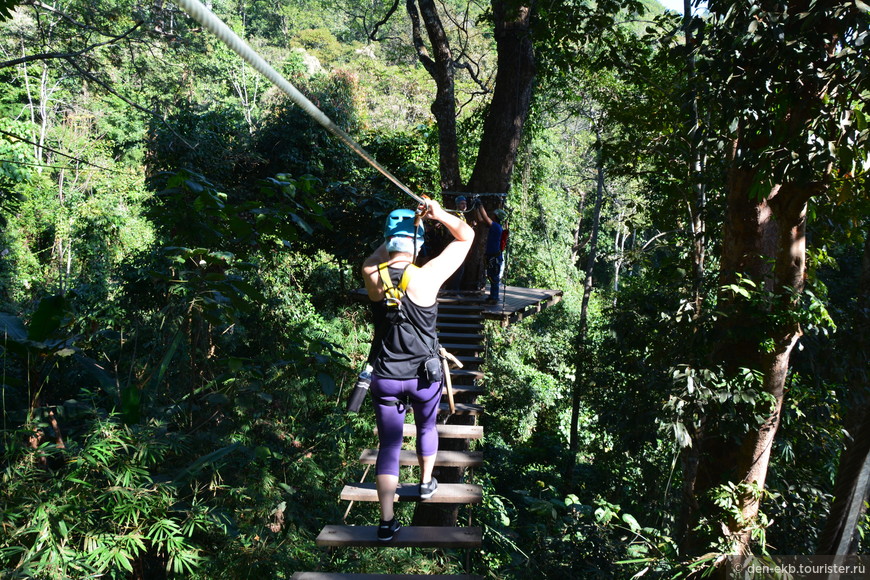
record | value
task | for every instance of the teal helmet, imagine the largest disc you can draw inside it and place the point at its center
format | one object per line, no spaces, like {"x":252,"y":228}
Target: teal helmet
{"x":400,"y":222}
{"x":500,"y":214}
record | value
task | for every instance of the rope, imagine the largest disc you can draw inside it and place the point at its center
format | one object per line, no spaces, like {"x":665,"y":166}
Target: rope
{"x":205,"y":17}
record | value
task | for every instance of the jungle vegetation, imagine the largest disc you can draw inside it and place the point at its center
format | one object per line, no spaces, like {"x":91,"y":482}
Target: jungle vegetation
{"x":180,"y":244}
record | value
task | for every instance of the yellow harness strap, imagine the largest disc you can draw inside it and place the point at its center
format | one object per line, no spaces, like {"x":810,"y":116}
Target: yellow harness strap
{"x":394,"y":294}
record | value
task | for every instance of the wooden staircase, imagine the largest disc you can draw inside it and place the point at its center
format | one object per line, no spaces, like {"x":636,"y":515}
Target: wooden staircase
{"x":460,"y":323}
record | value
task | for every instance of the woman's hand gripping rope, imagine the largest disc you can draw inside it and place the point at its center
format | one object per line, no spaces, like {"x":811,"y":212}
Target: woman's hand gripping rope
{"x":422,"y":210}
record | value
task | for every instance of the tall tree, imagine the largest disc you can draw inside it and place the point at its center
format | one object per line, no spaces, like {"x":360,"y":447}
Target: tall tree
{"x":582,"y":354}
{"x":789,"y":77}
{"x":518,"y":27}
{"x":508,"y":108}
{"x":853,"y":473}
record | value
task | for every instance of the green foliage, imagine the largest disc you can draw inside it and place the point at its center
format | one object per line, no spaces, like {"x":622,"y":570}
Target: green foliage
{"x":288,"y":141}
{"x":321,"y":43}
{"x":100,"y":511}
{"x":729,"y":498}
{"x":59,"y":239}
{"x":820,"y":137}
{"x":6,"y":7}
{"x":395,"y":99}
{"x":761,"y":306}
{"x":15,"y":155}
{"x":528,"y":363}
{"x":175,"y":351}
{"x":281,"y":215}
{"x":411,"y":154}
{"x":212,"y":299}
{"x":739,"y":403}
{"x":213,"y":140}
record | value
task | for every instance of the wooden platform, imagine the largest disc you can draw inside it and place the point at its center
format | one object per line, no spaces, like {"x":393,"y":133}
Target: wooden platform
{"x":517,"y":303}
{"x":447,"y":431}
{"x":408,"y":537}
{"x":443,"y":458}
{"x":447,"y":493}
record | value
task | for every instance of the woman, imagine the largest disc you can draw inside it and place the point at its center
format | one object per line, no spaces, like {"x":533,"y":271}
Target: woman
{"x":405,"y":309}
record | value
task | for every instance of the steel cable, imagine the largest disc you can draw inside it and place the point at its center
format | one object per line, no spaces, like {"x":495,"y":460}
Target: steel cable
{"x":204,"y":16}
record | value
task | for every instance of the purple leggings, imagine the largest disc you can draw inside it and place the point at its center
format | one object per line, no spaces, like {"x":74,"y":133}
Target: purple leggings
{"x":425,"y":399}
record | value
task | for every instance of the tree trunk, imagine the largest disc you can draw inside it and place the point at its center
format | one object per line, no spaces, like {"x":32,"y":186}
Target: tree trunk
{"x":579,"y":363}
{"x":441,"y":68}
{"x":852,"y":485}
{"x":690,"y":456}
{"x":578,"y":243}
{"x":776,"y":109}
{"x":503,"y":127}
{"x":620,"y":238}
{"x":696,"y":172}
{"x":763,"y":241}
{"x":511,"y":98}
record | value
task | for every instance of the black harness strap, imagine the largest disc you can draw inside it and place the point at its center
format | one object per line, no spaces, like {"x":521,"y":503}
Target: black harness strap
{"x":402,"y":402}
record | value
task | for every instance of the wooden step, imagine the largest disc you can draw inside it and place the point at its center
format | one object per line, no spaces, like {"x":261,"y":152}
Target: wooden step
{"x":443,"y":458}
{"x":456,"y":326}
{"x":453,"y":299}
{"x":464,"y":493}
{"x":448,"y":308}
{"x":462,"y":409}
{"x":450,"y":431}
{"x":460,"y":336}
{"x":448,"y":311}
{"x":459,"y":318}
{"x":407,"y":537}
{"x":453,"y":347}
{"x":340,"y":576}
{"x":459,"y":390}
{"x":467,"y":373}
{"x":447,"y":431}
{"x":470,"y":360}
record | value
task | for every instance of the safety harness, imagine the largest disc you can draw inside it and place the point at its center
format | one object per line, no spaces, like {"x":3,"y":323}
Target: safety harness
{"x":394,"y":294}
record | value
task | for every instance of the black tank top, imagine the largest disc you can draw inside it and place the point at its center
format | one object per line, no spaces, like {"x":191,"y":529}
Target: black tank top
{"x":409,"y":335}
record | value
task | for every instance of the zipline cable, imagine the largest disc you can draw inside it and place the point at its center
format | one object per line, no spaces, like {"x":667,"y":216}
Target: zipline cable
{"x":205,"y":17}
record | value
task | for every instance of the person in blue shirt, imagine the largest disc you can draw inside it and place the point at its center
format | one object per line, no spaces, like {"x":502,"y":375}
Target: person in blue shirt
{"x":495,"y":244}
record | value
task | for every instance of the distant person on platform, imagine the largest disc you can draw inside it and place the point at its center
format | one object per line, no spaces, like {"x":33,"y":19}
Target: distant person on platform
{"x":405,"y":307}
{"x":496,"y":240}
